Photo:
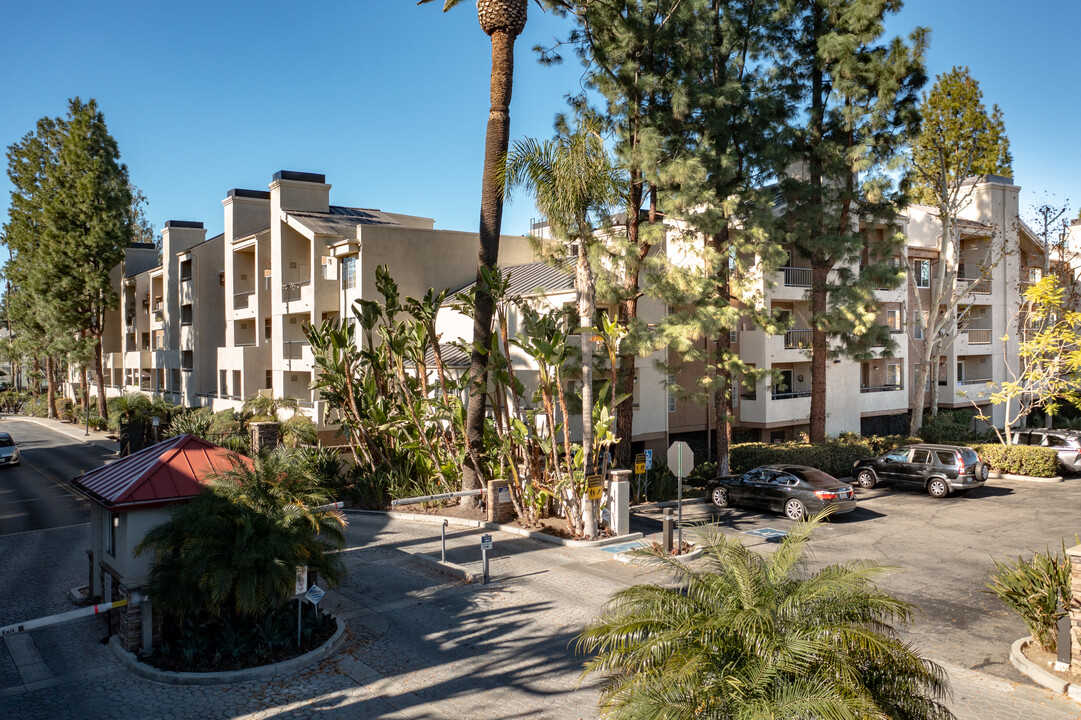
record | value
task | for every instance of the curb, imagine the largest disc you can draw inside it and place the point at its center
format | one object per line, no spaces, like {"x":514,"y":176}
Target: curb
{"x":510,"y":529}
{"x":629,"y":557}
{"x":262,"y":672}
{"x":1042,"y":677}
{"x":453,"y":569}
{"x":646,"y":507}
{"x":1024,"y":478}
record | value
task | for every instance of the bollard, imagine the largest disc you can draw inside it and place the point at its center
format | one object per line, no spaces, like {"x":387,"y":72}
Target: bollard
{"x":1064,"y":641}
{"x":666,"y":531}
{"x":443,"y":555}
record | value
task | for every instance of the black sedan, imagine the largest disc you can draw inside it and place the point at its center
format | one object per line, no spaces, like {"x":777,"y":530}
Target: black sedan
{"x":795,"y":490}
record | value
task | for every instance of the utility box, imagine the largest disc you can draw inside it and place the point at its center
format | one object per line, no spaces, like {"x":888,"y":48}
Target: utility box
{"x":619,"y":501}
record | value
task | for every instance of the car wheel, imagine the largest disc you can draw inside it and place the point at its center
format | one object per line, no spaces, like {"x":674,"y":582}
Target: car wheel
{"x":938,"y":488}
{"x":794,"y":510}
{"x":866,"y":479}
{"x":719,"y":496}
{"x":982,"y":471}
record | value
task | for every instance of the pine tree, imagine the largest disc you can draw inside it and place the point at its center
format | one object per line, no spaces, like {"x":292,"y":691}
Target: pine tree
{"x":959,"y":138}
{"x":732,"y":144}
{"x":857,"y":100}
{"x":630,"y":49}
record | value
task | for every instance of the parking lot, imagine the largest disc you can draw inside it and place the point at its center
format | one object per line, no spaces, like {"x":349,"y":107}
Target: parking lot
{"x":941,"y":552}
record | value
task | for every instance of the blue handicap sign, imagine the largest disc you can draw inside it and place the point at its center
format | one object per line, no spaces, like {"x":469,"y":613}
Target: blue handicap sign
{"x":649,"y":459}
{"x":766,"y":533}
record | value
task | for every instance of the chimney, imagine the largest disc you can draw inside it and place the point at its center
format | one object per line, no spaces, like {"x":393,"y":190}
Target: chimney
{"x":292,"y":190}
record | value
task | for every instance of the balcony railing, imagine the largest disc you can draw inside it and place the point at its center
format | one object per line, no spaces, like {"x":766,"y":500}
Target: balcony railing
{"x":978,"y":336}
{"x":880,"y":388}
{"x":974,"y":381}
{"x":241,"y":299}
{"x":797,"y":339}
{"x":293,"y":349}
{"x":797,"y":276}
{"x":292,"y":291}
{"x":749,"y":396}
{"x":979,"y":286}
{"x":789,"y":395}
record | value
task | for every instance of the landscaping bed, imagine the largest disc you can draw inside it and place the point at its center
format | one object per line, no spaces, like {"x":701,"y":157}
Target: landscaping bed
{"x":1046,"y":661}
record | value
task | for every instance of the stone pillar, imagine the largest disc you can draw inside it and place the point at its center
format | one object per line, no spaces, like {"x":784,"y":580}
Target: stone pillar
{"x":500,"y":507}
{"x":619,"y":502}
{"x":1073,"y":555}
{"x":264,"y":436}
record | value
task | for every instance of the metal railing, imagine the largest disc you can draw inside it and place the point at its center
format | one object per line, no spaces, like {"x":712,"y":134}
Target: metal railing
{"x":789,"y":395}
{"x":880,"y":388}
{"x":797,"y":339}
{"x":797,"y":276}
{"x":978,"y":336}
{"x":979,"y":286}
{"x":293,"y":291}
{"x":241,"y":300}
{"x":974,"y":381}
{"x":293,"y":349}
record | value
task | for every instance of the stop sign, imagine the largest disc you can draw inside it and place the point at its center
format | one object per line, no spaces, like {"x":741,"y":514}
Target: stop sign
{"x":680,"y":459}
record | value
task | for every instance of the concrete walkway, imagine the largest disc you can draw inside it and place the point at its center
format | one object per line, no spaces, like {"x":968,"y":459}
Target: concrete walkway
{"x":422,"y":645}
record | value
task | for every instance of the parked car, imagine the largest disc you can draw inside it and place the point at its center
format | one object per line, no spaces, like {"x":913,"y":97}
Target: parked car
{"x":795,"y":490}
{"x":1066,"y":442}
{"x":9,"y":451}
{"x":938,"y":469}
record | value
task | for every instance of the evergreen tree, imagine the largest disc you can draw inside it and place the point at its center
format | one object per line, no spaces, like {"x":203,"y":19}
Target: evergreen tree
{"x":731,"y":146}
{"x":630,"y":49}
{"x":857,"y":108}
{"x":959,"y":139}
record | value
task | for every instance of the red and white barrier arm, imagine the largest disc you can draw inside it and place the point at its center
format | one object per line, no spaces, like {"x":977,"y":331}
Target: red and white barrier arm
{"x":62,"y":617}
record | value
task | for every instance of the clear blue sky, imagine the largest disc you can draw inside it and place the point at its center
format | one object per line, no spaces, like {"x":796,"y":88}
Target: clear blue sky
{"x":390,"y":100}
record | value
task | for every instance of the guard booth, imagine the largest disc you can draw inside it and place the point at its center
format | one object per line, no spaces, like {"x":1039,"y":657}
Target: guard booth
{"x":129,"y":497}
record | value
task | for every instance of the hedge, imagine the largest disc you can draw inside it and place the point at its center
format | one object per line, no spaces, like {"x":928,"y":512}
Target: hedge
{"x":1028,"y":460}
{"x":834,"y":456}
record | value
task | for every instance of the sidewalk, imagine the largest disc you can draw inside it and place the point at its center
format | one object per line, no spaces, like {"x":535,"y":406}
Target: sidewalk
{"x":75,"y":432}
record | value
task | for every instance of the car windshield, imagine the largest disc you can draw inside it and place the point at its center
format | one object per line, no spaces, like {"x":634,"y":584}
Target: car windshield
{"x":6,"y":441}
{"x":818,"y":478}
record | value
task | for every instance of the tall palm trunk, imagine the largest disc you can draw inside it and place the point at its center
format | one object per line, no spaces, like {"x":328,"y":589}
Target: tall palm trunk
{"x":584,"y":281}
{"x":503,"y":21}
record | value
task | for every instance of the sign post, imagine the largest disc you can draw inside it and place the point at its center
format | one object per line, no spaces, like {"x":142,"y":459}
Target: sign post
{"x":485,"y":546}
{"x":681,"y":462}
{"x":641,"y":465}
{"x":298,"y":589}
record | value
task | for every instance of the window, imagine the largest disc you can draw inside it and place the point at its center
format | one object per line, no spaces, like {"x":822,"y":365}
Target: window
{"x":960,"y":371}
{"x":114,"y":524}
{"x":946,"y":458}
{"x":893,"y":320}
{"x":1035,"y":274}
{"x":921,"y":456}
{"x":893,"y":374}
{"x":349,"y":273}
{"x":671,"y":393}
{"x":922,"y":273}
{"x":897,"y":456}
{"x":918,"y":323}
{"x":1052,"y":441}
{"x":267,"y":325}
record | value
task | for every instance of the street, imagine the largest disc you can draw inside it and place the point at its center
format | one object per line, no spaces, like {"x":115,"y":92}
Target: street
{"x":423,"y":645}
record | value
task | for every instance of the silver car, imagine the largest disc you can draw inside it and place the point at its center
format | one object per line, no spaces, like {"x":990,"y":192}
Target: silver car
{"x":1067,"y":443}
{"x":9,"y":452}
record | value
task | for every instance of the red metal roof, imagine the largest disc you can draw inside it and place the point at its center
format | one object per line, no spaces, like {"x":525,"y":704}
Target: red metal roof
{"x":172,"y":470}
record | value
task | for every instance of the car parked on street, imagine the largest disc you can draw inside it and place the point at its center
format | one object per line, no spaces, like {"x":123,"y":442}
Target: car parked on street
{"x":1067,"y":443}
{"x":9,"y":451}
{"x":795,"y":490}
{"x":938,"y":469}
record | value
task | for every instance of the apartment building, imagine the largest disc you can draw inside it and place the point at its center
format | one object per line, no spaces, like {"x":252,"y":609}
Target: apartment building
{"x":998,"y":255}
{"x":291,"y":259}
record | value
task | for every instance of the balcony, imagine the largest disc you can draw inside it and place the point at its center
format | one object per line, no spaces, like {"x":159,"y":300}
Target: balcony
{"x":978,"y":336}
{"x":797,"y":339}
{"x":796,"y":277}
{"x":296,"y":291}
{"x":881,"y":388}
{"x":187,"y":337}
{"x":187,"y":291}
{"x":976,"y":286}
{"x":242,"y":300}
{"x":788,"y":395}
{"x":974,"y":381}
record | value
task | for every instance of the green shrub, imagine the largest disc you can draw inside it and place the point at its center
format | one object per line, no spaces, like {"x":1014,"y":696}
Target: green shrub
{"x":1020,"y":459}
{"x":1038,"y":589}
{"x":192,"y":422}
{"x":950,"y":427}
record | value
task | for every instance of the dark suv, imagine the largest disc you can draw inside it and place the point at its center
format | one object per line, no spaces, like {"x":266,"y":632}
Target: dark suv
{"x":939,"y":469}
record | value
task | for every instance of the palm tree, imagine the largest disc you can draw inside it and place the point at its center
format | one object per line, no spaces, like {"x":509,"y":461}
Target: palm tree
{"x":232,"y":550}
{"x":574,"y":183}
{"x":751,"y":636}
{"x":262,"y":406}
{"x":503,"y":21}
